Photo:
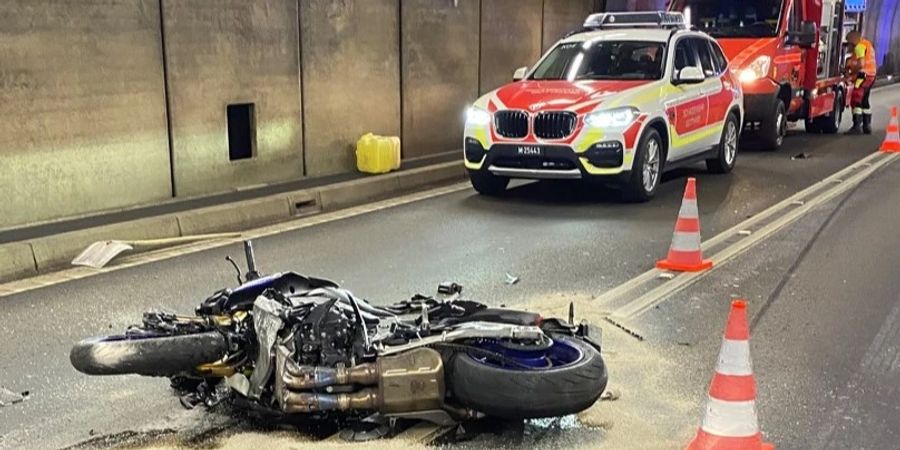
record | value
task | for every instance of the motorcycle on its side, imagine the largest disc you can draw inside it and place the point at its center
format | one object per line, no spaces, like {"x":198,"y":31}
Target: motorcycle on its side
{"x":287,"y":344}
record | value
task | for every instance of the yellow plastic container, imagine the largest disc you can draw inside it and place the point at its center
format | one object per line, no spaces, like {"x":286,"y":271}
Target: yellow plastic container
{"x":377,"y":154}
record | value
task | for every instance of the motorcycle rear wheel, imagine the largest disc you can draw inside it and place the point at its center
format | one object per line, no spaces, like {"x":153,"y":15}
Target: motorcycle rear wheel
{"x":160,"y":356}
{"x":514,"y":393}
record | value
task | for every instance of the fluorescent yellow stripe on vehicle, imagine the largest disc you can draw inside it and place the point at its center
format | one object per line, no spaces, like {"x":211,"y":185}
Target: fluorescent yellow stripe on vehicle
{"x":479,"y":133}
{"x":474,"y":166}
{"x":692,"y":137}
{"x":627,"y":161}
{"x":587,"y":139}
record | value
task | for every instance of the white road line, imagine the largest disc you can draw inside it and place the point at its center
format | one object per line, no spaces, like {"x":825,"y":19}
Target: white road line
{"x":659,"y":294}
{"x":53,"y":278}
{"x":797,"y":199}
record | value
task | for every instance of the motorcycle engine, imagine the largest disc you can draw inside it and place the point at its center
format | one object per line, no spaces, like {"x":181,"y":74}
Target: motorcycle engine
{"x":325,"y":337}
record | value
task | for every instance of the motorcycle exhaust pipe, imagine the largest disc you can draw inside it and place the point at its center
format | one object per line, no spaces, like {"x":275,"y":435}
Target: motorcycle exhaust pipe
{"x":308,"y":402}
{"x":406,"y":382}
{"x":303,"y":378}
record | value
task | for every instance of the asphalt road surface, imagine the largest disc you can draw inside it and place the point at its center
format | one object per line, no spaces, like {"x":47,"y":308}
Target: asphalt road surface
{"x":825,"y":303}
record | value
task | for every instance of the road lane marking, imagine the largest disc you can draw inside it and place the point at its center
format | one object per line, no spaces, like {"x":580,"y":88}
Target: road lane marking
{"x":659,"y":294}
{"x":609,"y":297}
{"x":76,"y":273}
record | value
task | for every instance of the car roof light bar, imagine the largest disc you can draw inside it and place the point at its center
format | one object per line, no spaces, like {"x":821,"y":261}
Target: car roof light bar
{"x":656,"y":19}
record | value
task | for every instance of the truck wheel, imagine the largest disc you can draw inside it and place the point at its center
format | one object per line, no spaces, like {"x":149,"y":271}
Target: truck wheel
{"x":773,"y":130}
{"x":831,"y":123}
{"x":487,"y":183}
{"x":647,"y":168}
{"x":728,"y":147}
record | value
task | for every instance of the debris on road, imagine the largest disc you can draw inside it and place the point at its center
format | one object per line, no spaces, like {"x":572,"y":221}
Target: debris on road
{"x":511,"y":279}
{"x":630,"y":332}
{"x":745,"y":232}
{"x":666,"y":275}
{"x":449,"y":288}
{"x":99,"y":254}
{"x":803,"y":155}
{"x":8,"y":397}
{"x":610,"y":395}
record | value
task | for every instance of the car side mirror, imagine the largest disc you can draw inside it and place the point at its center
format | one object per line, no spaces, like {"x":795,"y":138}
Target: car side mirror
{"x":690,"y":75}
{"x":520,"y":73}
{"x":805,"y":37}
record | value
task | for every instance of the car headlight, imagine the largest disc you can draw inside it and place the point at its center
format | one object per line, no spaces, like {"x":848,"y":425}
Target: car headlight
{"x":476,"y":116}
{"x":759,"y":68}
{"x":613,"y":118}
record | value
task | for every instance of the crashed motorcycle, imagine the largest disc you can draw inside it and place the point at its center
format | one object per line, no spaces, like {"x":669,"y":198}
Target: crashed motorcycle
{"x":287,"y":345}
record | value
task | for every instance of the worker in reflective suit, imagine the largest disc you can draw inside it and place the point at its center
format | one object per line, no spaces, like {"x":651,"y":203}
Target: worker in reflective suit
{"x":861,"y":68}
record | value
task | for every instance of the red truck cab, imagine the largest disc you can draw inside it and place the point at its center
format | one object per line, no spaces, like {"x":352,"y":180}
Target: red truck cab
{"x":788,"y":56}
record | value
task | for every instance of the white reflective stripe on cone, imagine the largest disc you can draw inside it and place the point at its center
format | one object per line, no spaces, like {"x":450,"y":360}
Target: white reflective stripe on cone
{"x":689,"y":209}
{"x":686,"y":242}
{"x":734,"y":358}
{"x":730,"y":419}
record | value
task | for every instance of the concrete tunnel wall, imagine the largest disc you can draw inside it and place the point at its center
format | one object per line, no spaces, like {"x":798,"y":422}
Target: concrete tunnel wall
{"x":82,"y":108}
{"x":113,"y":104}
{"x":221,"y":52}
{"x":883,"y":29}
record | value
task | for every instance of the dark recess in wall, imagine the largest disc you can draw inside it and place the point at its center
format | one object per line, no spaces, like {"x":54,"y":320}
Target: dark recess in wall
{"x":241,"y":131}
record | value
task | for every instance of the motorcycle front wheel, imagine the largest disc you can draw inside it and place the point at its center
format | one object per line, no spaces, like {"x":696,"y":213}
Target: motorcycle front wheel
{"x":149,"y":355}
{"x":565,"y":378}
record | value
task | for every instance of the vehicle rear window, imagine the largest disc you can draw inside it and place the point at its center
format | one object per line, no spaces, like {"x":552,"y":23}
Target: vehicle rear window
{"x":603,"y":60}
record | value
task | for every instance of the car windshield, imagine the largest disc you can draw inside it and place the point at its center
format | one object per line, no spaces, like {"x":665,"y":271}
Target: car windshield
{"x":743,"y":19}
{"x":603,"y":60}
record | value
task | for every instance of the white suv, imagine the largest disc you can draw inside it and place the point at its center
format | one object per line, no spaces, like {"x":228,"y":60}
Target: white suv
{"x":631,"y":95}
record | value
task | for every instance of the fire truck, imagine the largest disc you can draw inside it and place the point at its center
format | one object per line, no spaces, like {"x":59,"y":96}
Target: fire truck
{"x":788,"y":55}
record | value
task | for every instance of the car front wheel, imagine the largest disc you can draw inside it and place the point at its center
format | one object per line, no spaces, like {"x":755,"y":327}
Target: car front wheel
{"x":728,"y":148}
{"x":647,"y":168}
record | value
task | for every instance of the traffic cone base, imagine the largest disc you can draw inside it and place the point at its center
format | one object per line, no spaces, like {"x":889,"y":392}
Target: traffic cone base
{"x":891,"y":142}
{"x":891,"y":147}
{"x":706,"y":441}
{"x":676,"y":267}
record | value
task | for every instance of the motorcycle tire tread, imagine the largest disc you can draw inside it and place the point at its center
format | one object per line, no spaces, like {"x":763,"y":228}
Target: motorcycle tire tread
{"x":158,"y":356}
{"x":514,"y":394}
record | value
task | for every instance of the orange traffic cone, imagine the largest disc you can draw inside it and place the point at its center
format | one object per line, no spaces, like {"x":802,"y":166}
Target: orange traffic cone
{"x":730,"y":422}
{"x":892,"y":140}
{"x":684,"y":253}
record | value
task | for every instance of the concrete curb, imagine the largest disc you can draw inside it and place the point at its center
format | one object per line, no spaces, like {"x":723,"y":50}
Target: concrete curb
{"x":28,"y":258}
{"x":17,"y":260}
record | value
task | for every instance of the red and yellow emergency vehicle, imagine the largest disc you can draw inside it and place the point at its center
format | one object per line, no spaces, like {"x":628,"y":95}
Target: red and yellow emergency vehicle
{"x":787,"y":55}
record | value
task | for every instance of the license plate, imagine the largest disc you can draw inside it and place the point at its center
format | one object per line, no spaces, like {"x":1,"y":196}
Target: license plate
{"x":530,"y":151}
